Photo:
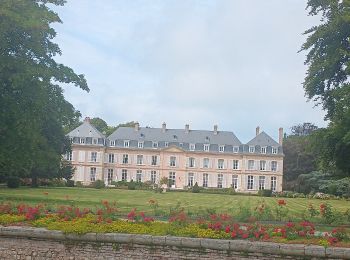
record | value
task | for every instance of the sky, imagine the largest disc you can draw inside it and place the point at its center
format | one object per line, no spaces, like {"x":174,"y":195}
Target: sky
{"x":233,"y":63}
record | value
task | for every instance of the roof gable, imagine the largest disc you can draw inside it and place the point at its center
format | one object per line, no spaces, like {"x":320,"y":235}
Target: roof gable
{"x":263,"y":139}
{"x":86,"y":130}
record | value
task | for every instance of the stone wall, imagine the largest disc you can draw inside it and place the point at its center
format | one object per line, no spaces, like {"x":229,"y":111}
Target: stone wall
{"x":37,"y":243}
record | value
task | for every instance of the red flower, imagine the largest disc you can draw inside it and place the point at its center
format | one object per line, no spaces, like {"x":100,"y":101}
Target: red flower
{"x":290,"y":224}
{"x":227,"y":229}
{"x":245,"y":235}
{"x":233,"y":234}
{"x":282,"y":202}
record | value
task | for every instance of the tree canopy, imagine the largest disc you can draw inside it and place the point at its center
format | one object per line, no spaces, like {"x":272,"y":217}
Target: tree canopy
{"x":33,"y":109}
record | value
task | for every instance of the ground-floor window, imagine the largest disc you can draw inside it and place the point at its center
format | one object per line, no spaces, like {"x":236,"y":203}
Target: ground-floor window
{"x":190,"y":179}
{"x":220,"y":178}
{"x":250,"y":183}
{"x":205,"y":179}
{"x":93,"y":174}
{"x":153,"y":176}
{"x":235,"y":181}
{"x":124,"y":175}
{"x":172,"y":177}
{"x":261,"y":182}
{"x":139,"y":175}
{"x":273,"y":183}
{"x":110,"y":176}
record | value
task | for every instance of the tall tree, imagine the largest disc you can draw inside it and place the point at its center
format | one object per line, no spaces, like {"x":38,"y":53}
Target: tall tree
{"x":327,"y":80}
{"x":303,"y":129}
{"x":33,"y":111}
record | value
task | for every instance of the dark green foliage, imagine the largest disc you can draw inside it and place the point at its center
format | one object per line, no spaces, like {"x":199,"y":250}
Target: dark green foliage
{"x":70,"y":183}
{"x":13,"y":182}
{"x":131,"y":185}
{"x":196,"y":188}
{"x":98,"y":184}
{"x":265,"y":193}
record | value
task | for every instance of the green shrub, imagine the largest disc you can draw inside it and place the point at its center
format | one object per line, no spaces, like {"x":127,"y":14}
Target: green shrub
{"x":70,"y":183}
{"x":131,"y":185}
{"x":13,"y":182}
{"x":98,"y":184}
{"x":79,"y":184}
{"x":265,"y":193}
{"x":196,"y":188}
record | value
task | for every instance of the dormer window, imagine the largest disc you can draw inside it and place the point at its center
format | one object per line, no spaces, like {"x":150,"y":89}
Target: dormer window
{"x":263,"y":149}
{"x":192,"y":147}
{"x":181,"y":144}
{"x":155,"y":144}
{"x":235,"y":149}
{"x":206,"y":147}
{"x":94,"y":141}
{"x":126,"y":144}
{"x":142,"y":135}
{"x":175,"y":137}
{"x":140,"y":145}
{"x":112,"y":143}
{"x":207,"y":139}
{"x":221,"y":148}
{"x":251,"y":149}
{"x":274,"y":150}
{"x":166,"y":144}
{"x":82,"y":140}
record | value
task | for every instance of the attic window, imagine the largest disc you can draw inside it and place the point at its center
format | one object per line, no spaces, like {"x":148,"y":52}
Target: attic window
{"x":95,"y":141}
{"x":235,"y":149}
{"x":112,"y":143}
{"x":251,"y":149}
{"x":274,"y":150}
{"x":207,"y":139}
{"x":82,"y":140}
{"x":166,"y":144}
{"x":142,"y":135}
{"x":263,"y":149}
{"x":175,"y":137}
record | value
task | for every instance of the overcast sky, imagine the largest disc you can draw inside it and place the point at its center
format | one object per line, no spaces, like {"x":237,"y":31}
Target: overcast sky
{"x":228,"y":62}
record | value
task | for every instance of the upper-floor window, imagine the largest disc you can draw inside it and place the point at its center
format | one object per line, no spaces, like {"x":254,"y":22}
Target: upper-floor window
{"x":111,"y":158}
{"x":155,"y":144}
{"x":221,"y":164}
{"x":220,"y":180}
{"x":139,"y":159}
{"x":125,"y":158}
{"x":206,"y":163}
{"x":251,"y":164}
{"x":166,"y":144}
{"x":140,"y":145}
{"x":191,"y":162}
{"x":206,"y":147}
{"x":262,"y":165}
{"x":274,"y":150}
{"x":94,"y":141}
{"x":69,"y":156}
{"x":181,"y":144}
{"x":235,"y":149}
{"x":221,"y":148}
{"x":274,"y":166}
{"x":235,"y":164}
{"x":112,"y":143}
{"x":126,"y":144}
{"x":93,"y":157}
{"x":154,"y":160}
{"x":175,"y":137}
{"x":192,"y":147}
{"x":82,"y":140}
{"x":263,"y":149}
{"x":172,"y":161}
{"x":251,"y":149}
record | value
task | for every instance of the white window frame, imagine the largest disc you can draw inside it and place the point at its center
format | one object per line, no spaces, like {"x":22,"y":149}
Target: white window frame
{"x":111,"y":158}
{"x":166,"y":144}
{"x":140,"y":145}
{"x":94,"y":141}
{"x":154,"y":145}
{"x":274,"y":150}
{"x":262,"y":183}
{"x":192,"y":147}
{"x":263,"y":165}
{"x":138,"y":175}
{"x":139,"y":159}
{"x":82,"y":140}
{"x":190,"y":178}
{"x":125,"y":159}
{"x":93,"y":157}
{"x":220,"y":180}
{"x":221,"y":148}
{"x":263,"y":149}
{"x":69,"y":156}
{"x":206,"y":165}
{"x":109,"y":176}
{"x":273,"y":183}
{"x":274,"y":169}
{"x":93,"y":174}
{"x":153,"y":176}
{"x":221,"y":166}
{"x":251,"y":167}
{"x":252,"y":149}
{"x":206,"y":147}
{"x":124,"y":175}
{"x":112,"y":143}
{"x":235,"y":149}
{"x":235,"y":181}
{"x":172,"y":161}
{"x":205,"y":179}
{"x":235,"y":164}
{"x":191,"y":162}
{"x":154,"y":160}
{"x":172,"y":179}
{"x":250,"y":182}
{"x":126,"y":143}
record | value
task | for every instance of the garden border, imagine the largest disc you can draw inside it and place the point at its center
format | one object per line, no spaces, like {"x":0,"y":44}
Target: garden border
{"x":243,"y":246}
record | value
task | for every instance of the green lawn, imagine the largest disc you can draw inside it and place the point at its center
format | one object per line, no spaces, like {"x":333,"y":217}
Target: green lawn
{"x":128,"y":199}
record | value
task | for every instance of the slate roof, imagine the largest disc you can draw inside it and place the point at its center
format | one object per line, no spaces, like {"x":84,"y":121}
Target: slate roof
{"x":263,"y":139}
{"x":86,"y":130}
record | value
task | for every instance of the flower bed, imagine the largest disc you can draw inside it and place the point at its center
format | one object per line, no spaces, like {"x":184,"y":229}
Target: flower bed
{"x":219,"y":226}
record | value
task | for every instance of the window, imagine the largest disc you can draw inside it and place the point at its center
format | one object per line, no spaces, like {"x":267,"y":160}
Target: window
{"x":205,"y":179}
{"x":125,"y":158}
{"x":69,"y":156}
{"x":220,"y":178}
{"x":221,"y":148}
{"x":206,"y":163}
{"x":126,"y":144}
{"x":235,"y":164}
{"x":153,"y":176}
{"x":171,"y":179}
{"x":82,"y":140}
{"x":206,"y":147}
{"x":172,"y":161}
{"x":235,"y":181}
{"x":190,"y":179}
{"x":139,"y":175}
{"x":261,"y":182}
{"x":191,"y":162}
{"x":111,"y":158}
{"x":71,"y":139}
{"x":93,"y":157}
{"x":274,"y":150}
{"x":263,"y":149}
{"x":250,"y":164}
{"x":140,"y":145}
{"x":250,"y":183}
{"x":166,"y":144}
{"x":155,"y":144}
{"x":221,"y":164}
{"x":110,"y":176}
{"x":139,"y":159}
{"x":112,"y":143}
{"x":94,"y":141}
{"x":124,"y":175}
{"x":175,"y":137}
{"x":93,"y":174}
{"x":192,"y":147}
{"x":154,"y":160}
{"x":274,"y":166}
{"x":262,"y":165}
{"x":235,"y":149}
{"x":181,"y":144}
{"x":273,"y":183}
{"x":251,"y":149}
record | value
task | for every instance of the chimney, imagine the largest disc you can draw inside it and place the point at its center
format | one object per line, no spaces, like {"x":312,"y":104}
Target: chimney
{"x":187,"y":128}
{"x":215,"y":129}
{"x":137,"y":126}
{"x":257,"y":130}
{"x":87,"y":119}
{"x":280,"y":135}
{"x":163,"y":127}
